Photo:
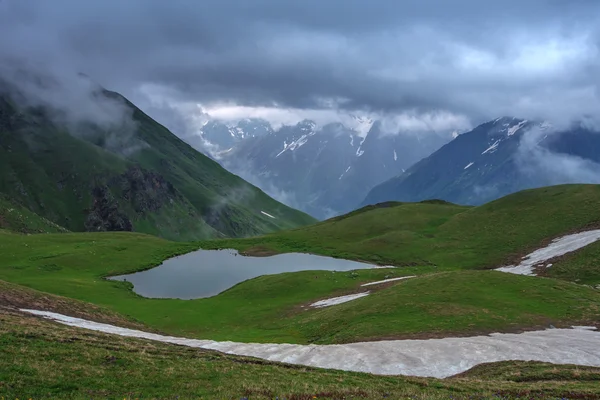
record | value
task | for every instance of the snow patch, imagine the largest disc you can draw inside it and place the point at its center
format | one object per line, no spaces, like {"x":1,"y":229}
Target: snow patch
{"x":468,"y":165}
{"x":558,"y":247}
{"x":388,"y":280}
{"x":268,"y":215}
{"x":492,"y":148}
{"x":513,"y":129}
{"x":285,"y":146}
{"x":439,"y":358}
{"x":344,"y":173}
{"x":395,"y":156}
{"x":338,"y":300}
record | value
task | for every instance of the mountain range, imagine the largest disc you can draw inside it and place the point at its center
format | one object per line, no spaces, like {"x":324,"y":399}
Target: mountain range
{"x":497,"y":158}
{"x":322,"y":170}
{"x":123,"y":171}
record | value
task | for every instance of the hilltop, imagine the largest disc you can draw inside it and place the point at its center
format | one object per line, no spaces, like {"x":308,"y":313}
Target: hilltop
{"x":440,"y":233}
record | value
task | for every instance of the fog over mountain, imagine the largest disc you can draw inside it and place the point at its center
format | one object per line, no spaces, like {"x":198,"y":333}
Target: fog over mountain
{"x":421,"y":69}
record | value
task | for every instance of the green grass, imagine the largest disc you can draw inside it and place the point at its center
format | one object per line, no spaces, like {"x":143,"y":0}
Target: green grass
{"x":445,"y":235}
{"x":16,"y":218}
{"x":582,"y":266}
{"x":40,"y":359}
{"x":435,"y":240}
{"x":453,"y":304}
{"x":267,"y":309}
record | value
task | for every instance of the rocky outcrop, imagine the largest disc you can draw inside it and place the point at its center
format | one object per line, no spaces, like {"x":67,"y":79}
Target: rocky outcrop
{"x":136,"y":191}
{"x":105,"y":215}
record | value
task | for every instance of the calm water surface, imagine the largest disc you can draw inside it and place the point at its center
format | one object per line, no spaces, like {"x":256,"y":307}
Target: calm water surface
{"x":206,"y":273}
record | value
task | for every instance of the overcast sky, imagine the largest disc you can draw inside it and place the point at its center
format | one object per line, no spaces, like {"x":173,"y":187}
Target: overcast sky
{"x":449,"y":63}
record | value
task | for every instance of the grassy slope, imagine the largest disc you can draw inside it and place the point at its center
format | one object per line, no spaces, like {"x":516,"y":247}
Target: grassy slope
{"x":454,"y":304}
{"x":211,"y":188}
{"x":581,"y":267}
{"x":39,"y":359}
{"x":266,"y":309}
{"x":14,"y":217}
{"x":52,"y":173}
{"x":446,"y":235}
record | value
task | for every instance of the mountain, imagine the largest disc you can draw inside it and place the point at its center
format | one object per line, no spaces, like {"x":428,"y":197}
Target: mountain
{"x":323,"y":171}
{"x":91,"y":175}
{"x":495,"y":159}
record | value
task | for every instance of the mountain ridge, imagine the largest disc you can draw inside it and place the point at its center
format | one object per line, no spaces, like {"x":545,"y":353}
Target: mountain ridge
{"x":497,"y":158}
{"x":138,"y":176}
{"x":323,"y":170}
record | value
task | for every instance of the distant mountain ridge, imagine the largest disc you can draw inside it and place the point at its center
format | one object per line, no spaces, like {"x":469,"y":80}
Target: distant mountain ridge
{"x":322,"y":170}
{"x":495,"y":159}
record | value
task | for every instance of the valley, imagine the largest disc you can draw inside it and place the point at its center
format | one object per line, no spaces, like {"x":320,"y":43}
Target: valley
{"x":445,"y":295}
{"x":299,"y":200}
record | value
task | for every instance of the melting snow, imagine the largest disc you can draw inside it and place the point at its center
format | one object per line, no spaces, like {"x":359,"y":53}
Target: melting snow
{"x":468,"y":165}
{"x":338,"y":300}
{"x":558,"y":247}
{"x":513,"y":129}
{"x":268,"y":215}
{"x":343,"y":173}
{"x":388,"y":280}
{"x":285,"y":146}
{"x":437,"y":358}
{"x":492,"y":148}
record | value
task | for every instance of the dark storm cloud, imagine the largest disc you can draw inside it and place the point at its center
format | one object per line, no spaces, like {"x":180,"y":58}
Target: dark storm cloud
{"x":535,"y":58}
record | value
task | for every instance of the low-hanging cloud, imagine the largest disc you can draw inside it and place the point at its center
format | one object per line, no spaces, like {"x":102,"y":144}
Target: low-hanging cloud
{"x":467,"y":58}
{"x":546,"y":167}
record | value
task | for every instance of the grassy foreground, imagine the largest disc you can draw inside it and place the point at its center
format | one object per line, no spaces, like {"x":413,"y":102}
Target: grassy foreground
{"x":40,"y":359}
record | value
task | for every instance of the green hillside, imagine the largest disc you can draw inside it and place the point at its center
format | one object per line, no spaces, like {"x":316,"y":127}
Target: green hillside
{"x":142,"y":178}
{"x":16,"y":218}
{"x":439,"y":233}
